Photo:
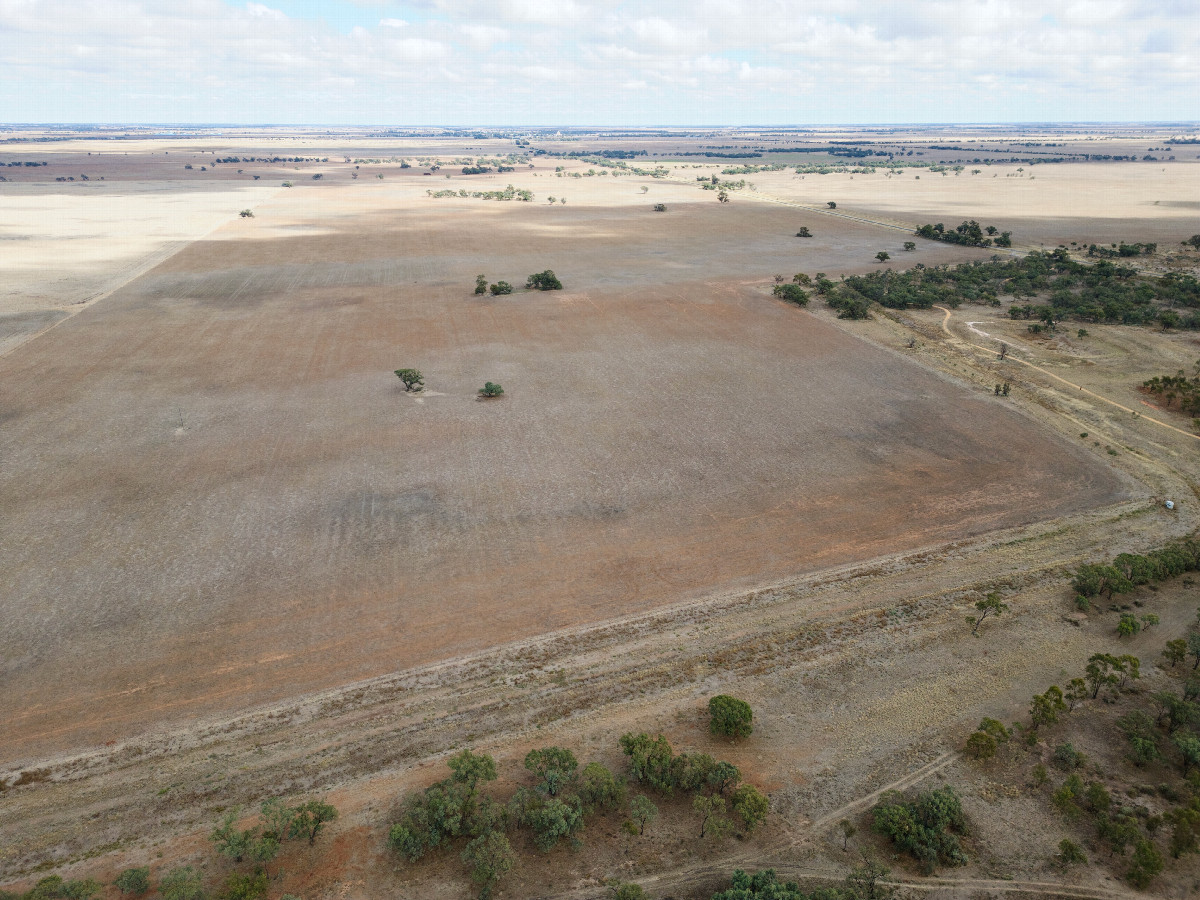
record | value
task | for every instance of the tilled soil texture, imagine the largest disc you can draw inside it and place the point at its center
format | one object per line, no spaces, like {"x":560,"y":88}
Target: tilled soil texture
{"x":217,"y":494}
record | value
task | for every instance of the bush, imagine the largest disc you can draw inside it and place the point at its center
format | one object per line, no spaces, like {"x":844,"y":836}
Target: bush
{"x":182,"y":883}
{"x":730,"y":717}
{"x":750,"y":805}
{"x":1070,"y":852}
{"x":1067,"y":757}
{"x":658,"y":207}
{"x":544,"y":281}
{"x":247,"y":214}
{"x":501,"y":287}
{"x":490,"y":390}
{"x":791,"y":293}
{"x":245,"y":887}
{"x":133,"y":881}
{"x":927,"y":827}
{"x":649,"y":760}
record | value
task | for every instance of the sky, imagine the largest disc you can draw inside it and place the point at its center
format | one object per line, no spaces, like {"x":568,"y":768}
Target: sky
{"x":598,"y":62}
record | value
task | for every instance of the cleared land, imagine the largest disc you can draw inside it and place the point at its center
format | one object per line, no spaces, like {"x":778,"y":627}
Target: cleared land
{"x":216,"y":466}
{"x":217,"y":498}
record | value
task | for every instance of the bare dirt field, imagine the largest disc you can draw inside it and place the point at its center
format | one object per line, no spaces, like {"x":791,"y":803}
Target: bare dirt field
{"x":216,"y":465}
{"x":242,"y":562}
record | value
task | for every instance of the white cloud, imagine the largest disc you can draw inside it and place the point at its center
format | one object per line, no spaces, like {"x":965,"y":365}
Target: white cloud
{"x":577,"y":60}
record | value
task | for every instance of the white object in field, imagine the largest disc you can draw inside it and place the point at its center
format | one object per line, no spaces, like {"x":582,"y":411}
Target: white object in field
{"x":1170,"y":504}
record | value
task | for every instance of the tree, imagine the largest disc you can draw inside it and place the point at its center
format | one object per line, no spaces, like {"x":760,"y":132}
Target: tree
{"x":910,"y":245}
{"x":711,"y":810}
{"x":1147,"y":864}
{"x":277,"y":818}
{"x":555,"y":820}
{"x":134,"y":881}
{"x":490,"y":857}
{"x":1129,"y":625}
{"x":883,"y":256}
{"x":791,"y":293}
{"x":481,"y":284}
{"x":182,"y":883}
{"x":723,"y":196}
{"x":544,"y":281}
{"x":730,"y":717}
{"x":501,"y":287}
{"x":470,"y":768}
{"x":848,"y":830}
{"x":1188,"y":746}
{"x":1175,"y":651}
{"x":980,"y":745}
{"x":660,"y":207}
{"x":804,"y":232}
{"x":239,"y":844}
{"x":245,"y":886}
{"x":1193,"y":647}
{"x":832,"y":205}
{"x":991,"y":605}
{"x":649,"y":760}
{"x":490,"y":389}
{"x":642,"y":810}
{"x":311,"y":817}
{"x":412,"y":378}
{"x":1070,"y":852}
{"x":1103,"y":670}
{"x":598,"y":788}
{"x":863,"y":880}
{"x":247,"y":214}
{"x":1093,"y":580}
{"x":927,"y":827}
{"x":1045,"y":707}
{"x":723,"y":776}
{"x":750,"y":805}
{"x":554,"y":766}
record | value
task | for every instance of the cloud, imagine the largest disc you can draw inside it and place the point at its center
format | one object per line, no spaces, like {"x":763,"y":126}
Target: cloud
{"x":579,"y":60}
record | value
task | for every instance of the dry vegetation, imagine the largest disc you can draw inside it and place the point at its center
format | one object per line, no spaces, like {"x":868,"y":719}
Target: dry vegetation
{"x":243,"y":561}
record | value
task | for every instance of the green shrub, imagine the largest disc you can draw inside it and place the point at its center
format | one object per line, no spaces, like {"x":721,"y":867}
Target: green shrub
{"x":1147,"y":864}
{"x":599,"y":788}
{"x":490,"y":390}
{"x":730,"y":717}
{"x":245,"y":886}
{"x":1070,"y":853}
{"x":134,"y":881}
{"x":183,"y":883}
{"x":544,"y":281}
{"x":927,"y":827}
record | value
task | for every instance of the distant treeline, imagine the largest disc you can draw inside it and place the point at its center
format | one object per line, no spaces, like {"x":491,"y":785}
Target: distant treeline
{"x":969,"y":234}
{"x":615,"y":154}
{"x":270,"y":159}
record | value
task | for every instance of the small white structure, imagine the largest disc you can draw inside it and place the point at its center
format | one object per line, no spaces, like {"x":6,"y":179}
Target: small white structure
{"x":1170,"y":504}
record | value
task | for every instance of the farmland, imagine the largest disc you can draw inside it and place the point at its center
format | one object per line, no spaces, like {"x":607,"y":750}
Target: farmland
{"x":223,"y":514}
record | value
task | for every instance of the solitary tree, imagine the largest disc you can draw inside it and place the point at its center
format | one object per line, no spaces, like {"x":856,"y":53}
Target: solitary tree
{"x":723,"y":196}
{"x":883,"y":256}
{"x":848,"y":830}
{"x":910,"y":245}
{"x":660,"y":207}
{"x":412,"y":378}
{"x":730,"y":716}
{"x":832,"y":205}
{"x":991,"y":605}
{"x":481,"y":284}
{"x":490,"y":390}
{"x":247,"y":214}
{"x":804,"y":232}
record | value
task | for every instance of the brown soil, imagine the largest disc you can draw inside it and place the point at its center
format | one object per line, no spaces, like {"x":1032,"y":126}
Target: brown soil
{"x":217,"y":467}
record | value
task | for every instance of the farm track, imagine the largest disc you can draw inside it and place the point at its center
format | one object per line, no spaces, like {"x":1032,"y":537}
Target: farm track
{"x":1009,"y":356}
